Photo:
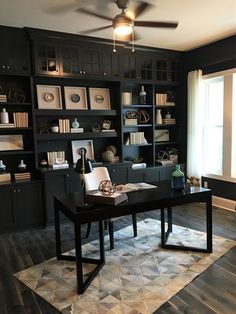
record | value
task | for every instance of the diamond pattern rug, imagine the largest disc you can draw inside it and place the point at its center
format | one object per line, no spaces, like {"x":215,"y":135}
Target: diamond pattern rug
{"x":138,"y":276}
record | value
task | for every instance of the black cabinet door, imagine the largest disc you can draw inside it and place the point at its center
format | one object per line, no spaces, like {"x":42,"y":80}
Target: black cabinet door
{"x":137,"y":65}
{"x":110,"y":63}
{"x":143,"y":175}
{"x":167,"y":70}
{"x":54,"y":183}
{"x":46,"y":58}
{"x":70,"y":61}
{"x":91,"y":62}
{"x":118,"y":174}
{"x":14,"y":52}
{"x":6,"y":212}
{"x":28,"y":205}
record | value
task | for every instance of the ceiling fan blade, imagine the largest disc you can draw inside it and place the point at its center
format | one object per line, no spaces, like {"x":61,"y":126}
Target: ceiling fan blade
{"x":94,"y":14}
{"x":156,"y":24}
{"x":92,"y":30}
{"x":141,"y":9}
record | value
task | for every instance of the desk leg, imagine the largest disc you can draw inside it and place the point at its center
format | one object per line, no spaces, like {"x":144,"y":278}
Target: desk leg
{"x":165,"y":234}
{"x":78,"y":256}
{"x":57,"y":231}
{"x":209,"y":224}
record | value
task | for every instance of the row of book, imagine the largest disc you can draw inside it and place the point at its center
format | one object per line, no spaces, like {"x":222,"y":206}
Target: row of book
{"x":20,"y":119}
{"x":161,"y":100}
{"x":136,"y":138}
{"x":3,"y":98}
{"x":21,"y":176}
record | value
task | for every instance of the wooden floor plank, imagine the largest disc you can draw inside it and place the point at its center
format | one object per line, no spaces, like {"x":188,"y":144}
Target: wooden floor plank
{"x":213,"y":290}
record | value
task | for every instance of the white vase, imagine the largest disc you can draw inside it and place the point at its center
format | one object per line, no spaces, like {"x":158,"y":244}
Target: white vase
{"x":4,"y":116}
{"x":158,"y":117}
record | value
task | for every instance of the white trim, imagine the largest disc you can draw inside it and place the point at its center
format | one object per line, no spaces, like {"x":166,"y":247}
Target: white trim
{"x":220,"y":73}
{"x":224,"y":203}
{"x":217,"y":177}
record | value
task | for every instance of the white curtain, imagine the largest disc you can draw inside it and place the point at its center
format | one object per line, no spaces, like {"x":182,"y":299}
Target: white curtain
{"x":194,"y":126}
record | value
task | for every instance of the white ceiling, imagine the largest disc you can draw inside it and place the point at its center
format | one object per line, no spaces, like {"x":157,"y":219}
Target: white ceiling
{"x":200,"y":21}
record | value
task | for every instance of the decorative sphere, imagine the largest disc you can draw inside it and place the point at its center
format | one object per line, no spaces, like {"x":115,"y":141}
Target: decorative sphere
{"x":106,"y":187}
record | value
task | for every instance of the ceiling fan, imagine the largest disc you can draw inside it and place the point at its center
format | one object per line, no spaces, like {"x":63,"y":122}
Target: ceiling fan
{"x":123,"y":23}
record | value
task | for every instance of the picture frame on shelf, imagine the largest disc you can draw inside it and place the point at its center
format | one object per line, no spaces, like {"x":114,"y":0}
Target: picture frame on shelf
{"x":162,"y":135}
{"x":75,"y":98}
{"x":49,"y":97}
{"x":11,"y":142}
{"x":99,"y":98}
{"x":87,"y":144}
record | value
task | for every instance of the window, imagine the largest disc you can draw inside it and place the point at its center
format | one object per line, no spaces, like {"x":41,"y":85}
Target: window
{"x":218,"y":124}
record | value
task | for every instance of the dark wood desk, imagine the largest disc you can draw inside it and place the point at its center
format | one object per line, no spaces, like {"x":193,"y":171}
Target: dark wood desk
{"x":162,"y":197}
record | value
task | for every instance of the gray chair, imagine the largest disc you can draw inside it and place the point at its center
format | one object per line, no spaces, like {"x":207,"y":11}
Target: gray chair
{"x":92,"y":181}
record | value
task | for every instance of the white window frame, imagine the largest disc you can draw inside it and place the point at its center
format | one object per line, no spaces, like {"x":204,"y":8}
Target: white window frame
{"x":229,"y":128}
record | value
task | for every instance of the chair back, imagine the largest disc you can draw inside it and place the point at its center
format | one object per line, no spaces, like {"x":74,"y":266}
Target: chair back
{"x":93,"y":179}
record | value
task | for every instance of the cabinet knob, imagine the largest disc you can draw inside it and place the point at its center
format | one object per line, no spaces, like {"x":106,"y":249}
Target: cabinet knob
{"x":80,"y":72}
{"x":8,"y":67}
{"x":18,"y":190}
{"x":84,"y":72}
{"x":14,"y":190}
{"x":67,"y":175}
{"x":113,"y":170}
{"x":104,"y":74}
{"x":3,"y":67}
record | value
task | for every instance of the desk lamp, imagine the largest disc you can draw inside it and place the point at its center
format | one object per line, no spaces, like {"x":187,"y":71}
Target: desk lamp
{"x":83,"y":166}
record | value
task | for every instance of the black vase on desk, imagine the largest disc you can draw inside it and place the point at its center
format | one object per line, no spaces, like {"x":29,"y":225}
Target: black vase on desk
{"x":177,"y":179}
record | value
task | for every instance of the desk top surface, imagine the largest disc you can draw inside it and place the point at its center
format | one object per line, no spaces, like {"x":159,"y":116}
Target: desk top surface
{"x":138,"y":201}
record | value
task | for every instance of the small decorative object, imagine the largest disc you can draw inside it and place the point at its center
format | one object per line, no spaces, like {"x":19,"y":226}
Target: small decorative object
{"x":168,"y":115}
{"x":17,"y":95}
{"x":177,"y":179}
{"x":158,"y":116}
{"x":55,"y":128}
{"x":99,"y":98}
{"x":131,"y":114}
{"x":22,"y":166}
{"x":75,"y":98}
{"x":106,"y":187}
{"x":48,"y":97}
{"x":11,"y":142}
{"x":75,"y":124}
{"x":109,"y":154}
{"x":86,"y":144}
{"x":163,"y":155}
{"x":126,"y":99}
{"x":2,"y":167}
{"x":162,"y":136}
{"x":4,"y":116}
{"x":44,"y":126}
{"x":142,"y":96}
{"x":43,"y":162}
{"x":96,"y":127}
{"x":143,"y":117}
{"x":106,"y":124}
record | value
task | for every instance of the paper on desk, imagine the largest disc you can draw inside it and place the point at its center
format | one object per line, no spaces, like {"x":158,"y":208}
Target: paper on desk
{"x":129,"y":187}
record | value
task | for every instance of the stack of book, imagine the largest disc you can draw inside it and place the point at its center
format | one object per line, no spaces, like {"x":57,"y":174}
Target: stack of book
{"x":76,"y":130}
{"x":20,"y":119}
{"x":131,"y":121}
{"x":3,"y":98}
{"x":169,"y":121}
{"x":64,"y":126}
{"x":7,"y":125}
{"x":22,"y":176}
{"x":137,"y":138}
{"x":160,"y":99}
{"x":165,"y":162}
{"x":5,"y":178}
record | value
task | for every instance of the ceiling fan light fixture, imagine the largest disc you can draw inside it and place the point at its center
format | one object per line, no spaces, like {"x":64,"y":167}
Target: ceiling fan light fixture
{"x":123,"y":29}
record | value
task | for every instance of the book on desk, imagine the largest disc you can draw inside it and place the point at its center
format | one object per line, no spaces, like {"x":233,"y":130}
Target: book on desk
{"x":114,"y":199}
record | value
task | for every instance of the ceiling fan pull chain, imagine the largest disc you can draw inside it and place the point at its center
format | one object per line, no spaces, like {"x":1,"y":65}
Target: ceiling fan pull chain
{"x":133,"y":40}
{"x":114,"y":42}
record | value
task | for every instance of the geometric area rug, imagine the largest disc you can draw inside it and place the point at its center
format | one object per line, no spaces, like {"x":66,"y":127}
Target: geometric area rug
{"x":138,"y":276}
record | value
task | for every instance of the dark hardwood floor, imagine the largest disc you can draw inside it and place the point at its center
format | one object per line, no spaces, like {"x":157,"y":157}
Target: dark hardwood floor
{"x":214,"y":291}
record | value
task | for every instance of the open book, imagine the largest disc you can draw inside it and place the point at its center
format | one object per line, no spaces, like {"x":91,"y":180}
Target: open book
{"x":129,"y":187}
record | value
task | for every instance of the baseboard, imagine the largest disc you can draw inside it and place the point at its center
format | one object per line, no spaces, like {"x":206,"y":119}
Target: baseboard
{"x":224,"y":203}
